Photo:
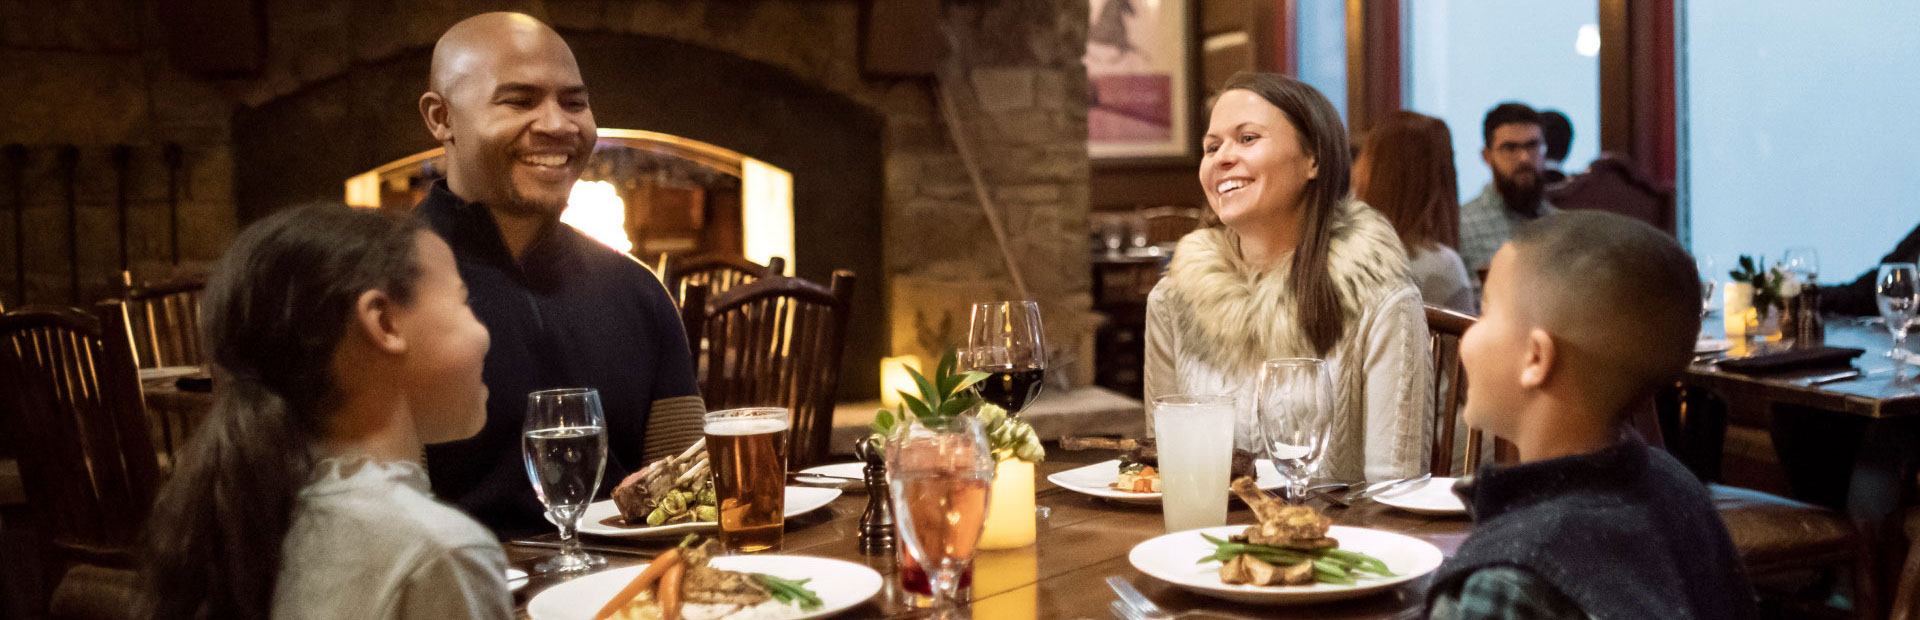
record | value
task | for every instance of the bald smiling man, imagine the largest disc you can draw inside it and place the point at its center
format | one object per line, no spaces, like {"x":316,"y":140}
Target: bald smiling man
{"x":506,"y":100}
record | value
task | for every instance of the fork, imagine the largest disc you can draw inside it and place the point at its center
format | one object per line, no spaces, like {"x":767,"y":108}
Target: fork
{"x":1133,"y":605}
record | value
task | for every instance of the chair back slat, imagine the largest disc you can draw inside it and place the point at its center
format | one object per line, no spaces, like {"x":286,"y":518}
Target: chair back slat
{"x":165,"y":320}
{"x":1444,"y":329}
{"x":88,"y":462}
{"x":719,"y":273}
{"x":776,"y":343}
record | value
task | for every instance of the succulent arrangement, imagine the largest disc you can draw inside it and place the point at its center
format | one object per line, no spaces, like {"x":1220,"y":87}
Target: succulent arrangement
{"x":949,"y":393}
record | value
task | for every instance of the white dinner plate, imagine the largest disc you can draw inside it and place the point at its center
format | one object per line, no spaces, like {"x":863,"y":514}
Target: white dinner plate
{"x":839,"y":584}
{"x":1171,"y":558}
{"x":1433,"y":497}
{"x":1097,"y":480}
{"x":856,"y":471}
{"x":800,"y":500}
{"x":1711,"y":345}
{"x":516,"y":579}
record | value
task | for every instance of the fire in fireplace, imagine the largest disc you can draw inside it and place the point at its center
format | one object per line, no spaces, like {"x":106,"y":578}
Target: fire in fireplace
{"x":645,"y":193}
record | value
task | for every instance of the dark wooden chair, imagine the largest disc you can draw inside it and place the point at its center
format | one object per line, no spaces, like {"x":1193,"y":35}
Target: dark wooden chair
{"x":776,"y":343}
{"x":1444,"y":328}
{"x":165,"y":321}
{"x":1906,"y":600}
{"x":87,"y":458}
{"x":1167,"y":224}
{"x":1614,"y":183}
{"x":718,"y":272}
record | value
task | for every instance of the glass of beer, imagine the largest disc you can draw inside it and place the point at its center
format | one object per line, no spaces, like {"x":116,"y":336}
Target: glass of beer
{"x":748,"y":448}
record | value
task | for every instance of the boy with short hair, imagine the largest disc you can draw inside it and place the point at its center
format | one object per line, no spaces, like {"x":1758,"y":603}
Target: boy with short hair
{"x":1585,"y":312}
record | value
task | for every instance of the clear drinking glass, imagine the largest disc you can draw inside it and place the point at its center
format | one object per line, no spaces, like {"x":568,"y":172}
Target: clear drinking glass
{"x":564,"y":441}
{"x":1897,"y":295}
{"x":1194,"y":435}
{"x":1803,"y":263}
{"x":1005,"y":341}
{"x":1709,"y":280}
{"x":1294,"y":407}
{"x":748,"y":449}
{"x":940,"y":473}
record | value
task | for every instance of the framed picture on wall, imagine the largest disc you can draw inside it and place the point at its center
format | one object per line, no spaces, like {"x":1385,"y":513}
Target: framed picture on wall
{"x":1140,"y":63}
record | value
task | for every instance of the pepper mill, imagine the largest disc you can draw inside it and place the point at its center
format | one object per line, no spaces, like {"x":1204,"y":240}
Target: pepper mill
{"x":876,"y":525}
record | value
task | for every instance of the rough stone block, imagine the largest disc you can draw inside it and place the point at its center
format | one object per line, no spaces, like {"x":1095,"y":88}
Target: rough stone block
{"x":60,"y":97}
{"x":1002,"y":89}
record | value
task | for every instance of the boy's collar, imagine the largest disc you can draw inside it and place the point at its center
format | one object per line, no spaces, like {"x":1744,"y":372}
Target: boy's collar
{"x":1498,"y":488}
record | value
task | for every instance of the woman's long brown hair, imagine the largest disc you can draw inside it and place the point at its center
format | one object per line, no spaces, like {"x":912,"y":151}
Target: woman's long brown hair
{"x":1410,"y":179}
{"x":274,"y":311}
{"x":1317,"y":300}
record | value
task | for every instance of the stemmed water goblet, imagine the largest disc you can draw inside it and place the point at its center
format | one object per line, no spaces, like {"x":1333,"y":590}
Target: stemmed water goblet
{"x":1293,"y":406}
{"x":564,"y":442}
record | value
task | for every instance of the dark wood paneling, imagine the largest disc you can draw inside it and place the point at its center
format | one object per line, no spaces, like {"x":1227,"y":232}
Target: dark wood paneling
{"x":1117,"y":187}
{"x":1637,"y":84}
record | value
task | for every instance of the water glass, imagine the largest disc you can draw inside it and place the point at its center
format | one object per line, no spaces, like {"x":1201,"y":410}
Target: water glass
{"x":1294,"y":410}
{"x":748,"y":449}
{"x":1194,"y":435}
{"x":940,"y":473}
{"x":1803,"y":263}
{"x":1709,"y":280}
{"x":1897,"y":294}
{"x":564,"y":441}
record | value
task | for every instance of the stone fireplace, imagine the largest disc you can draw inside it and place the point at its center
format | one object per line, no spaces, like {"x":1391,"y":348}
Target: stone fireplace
{"x":878,"y":184}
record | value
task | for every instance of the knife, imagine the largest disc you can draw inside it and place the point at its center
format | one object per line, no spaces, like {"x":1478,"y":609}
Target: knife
{"x":1385,"y":488}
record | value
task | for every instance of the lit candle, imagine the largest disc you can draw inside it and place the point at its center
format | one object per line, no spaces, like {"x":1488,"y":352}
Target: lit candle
{"x":1010,"y":520}
{"x":894,"y":379}
{"x":1734,"y":311}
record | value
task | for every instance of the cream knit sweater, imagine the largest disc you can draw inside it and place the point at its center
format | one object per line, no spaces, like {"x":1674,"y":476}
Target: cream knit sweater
{"x":1214,"y":318}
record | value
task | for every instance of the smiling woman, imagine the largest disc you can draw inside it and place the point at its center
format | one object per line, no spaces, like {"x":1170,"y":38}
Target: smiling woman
{"x":674,"y":196}
{"x":1298,"y":270}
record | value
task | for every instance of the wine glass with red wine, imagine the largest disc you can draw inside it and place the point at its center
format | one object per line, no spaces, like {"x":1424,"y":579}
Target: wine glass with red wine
{"x":1005,"y":342}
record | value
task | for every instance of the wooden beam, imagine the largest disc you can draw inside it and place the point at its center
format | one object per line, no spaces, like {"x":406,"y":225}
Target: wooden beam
{"x":1637,"y":84}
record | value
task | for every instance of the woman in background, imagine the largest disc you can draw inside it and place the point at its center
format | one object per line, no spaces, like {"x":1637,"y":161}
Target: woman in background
{"x":341,"y":343}
{"x":1298,"y":270}
{"x":1406,"y":171}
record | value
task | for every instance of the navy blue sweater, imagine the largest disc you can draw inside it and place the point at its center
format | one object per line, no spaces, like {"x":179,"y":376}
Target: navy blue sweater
{"x":571,"y":312}
{"x":1626,"y":532}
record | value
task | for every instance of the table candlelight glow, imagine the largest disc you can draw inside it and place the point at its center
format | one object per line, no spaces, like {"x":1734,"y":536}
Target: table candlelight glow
{"x":1736,"y":307}
{"x":894,"y":378}
{"x":1010,"y":520}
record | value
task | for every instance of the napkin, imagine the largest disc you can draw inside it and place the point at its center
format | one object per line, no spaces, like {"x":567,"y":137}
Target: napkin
{"x":1794,"y":359}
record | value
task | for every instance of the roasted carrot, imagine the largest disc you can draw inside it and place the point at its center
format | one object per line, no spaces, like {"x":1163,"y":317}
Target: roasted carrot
{"x":668,"y":595}
{"x":640,"y":583}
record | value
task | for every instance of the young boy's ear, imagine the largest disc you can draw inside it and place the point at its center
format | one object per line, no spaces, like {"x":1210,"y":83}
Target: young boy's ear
{"x":1540,"y":359}
{"x":374,"y":318}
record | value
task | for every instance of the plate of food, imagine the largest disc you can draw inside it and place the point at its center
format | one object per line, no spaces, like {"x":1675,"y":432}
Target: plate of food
{"x":1293,"y":555}
{"x":697,"y":583}
{"x":1135,"y":477}
{"x":675,"y":495}
{"x":1430,"y":497}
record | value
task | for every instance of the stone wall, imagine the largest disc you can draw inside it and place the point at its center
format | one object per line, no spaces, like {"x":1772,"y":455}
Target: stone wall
{"x":74,"y":77}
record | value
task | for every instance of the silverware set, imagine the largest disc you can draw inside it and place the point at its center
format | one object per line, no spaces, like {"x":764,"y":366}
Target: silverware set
{"x":1132,"y":605}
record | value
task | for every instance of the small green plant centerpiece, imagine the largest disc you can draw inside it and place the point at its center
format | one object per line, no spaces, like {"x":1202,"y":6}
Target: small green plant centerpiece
{"x":949,"y":393}
{"x":1010,"y":513}
{"x":1766,"y":282}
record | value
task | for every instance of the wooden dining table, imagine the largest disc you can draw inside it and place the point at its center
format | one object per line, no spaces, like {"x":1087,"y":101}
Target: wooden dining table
{"x":1081,"y":541}
{"x":1888,"y":409}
